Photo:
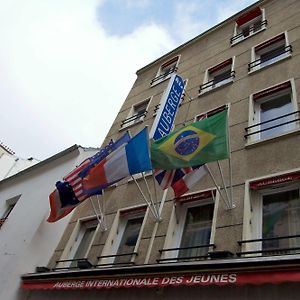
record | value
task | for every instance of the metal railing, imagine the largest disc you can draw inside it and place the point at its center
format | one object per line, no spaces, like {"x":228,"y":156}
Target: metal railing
{"x":133,"y":118}
{"x":216,"y":83}
{"x":251,"y":30}
{"x":271,"y":127}
{"x":269,"y":56}
{"x":163,"y":75}
{"x":115,"y":256}
{"x":271,"y":251}
{"x":196,"y":257}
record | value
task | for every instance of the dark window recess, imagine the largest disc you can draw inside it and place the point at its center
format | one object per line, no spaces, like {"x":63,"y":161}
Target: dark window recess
{"x":129,"y":240}
{"x":217,"y":81}
{"x":164,"y":74}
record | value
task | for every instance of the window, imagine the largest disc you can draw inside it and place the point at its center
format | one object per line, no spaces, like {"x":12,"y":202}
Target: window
{"x":210,"y":113}
{"x":274,"y":224}
{"x":123,"y":240}
{"x":83,"y":241}
{"x":165,"y":70}
{"x":137,"y":114}
{"x":217,"y":76}
{"x":270,"y":52}
{"x":248,"y":24}
{"x":9,"y":206}
{"x":190,"y":231}
{"x":272,"y":112}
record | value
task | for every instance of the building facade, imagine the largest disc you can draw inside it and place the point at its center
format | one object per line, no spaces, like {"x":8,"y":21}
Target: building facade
{"x":238,"y":242}
{"x":27,"y":240}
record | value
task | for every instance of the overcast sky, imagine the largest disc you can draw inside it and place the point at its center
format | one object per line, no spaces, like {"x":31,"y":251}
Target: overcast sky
{"x":66,"y":66}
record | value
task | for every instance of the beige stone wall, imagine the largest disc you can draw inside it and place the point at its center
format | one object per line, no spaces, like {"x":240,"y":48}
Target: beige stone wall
{"x":277,"y":155}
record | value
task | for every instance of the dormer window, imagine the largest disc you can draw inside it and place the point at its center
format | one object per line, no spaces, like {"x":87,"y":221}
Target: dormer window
{"x":165,"y":70}
{"x":248,"y":24}
{"x":217,"y":76}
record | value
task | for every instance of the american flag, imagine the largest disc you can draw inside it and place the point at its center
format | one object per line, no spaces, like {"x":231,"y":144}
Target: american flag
{"x":75,"y":180}
{"x":167,"y":178}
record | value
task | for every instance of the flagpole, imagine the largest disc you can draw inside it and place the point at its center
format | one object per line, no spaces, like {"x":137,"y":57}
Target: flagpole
{"x":103,"y":226}
{"x":143,"y":195}
{"x":155,"y":193}
{"x":150,"y":196}
{"x":217,"y":187}
{"x":224,"y":185}
{"x":94,"y":209}
{"x":229,"y":159}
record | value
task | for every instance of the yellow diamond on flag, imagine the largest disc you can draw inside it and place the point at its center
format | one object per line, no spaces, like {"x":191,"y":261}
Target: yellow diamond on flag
{"x":186,"y":143}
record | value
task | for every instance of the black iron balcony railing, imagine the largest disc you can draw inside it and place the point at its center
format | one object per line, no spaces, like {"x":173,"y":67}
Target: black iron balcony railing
{"x":115,"y":256}
{"x":249,"y":31}
{"x":78,"y":263}
{"x":256,"y":127}
{"x":196,"y":257}
{"x":164,"y":75}
{"x":270,"y":56}
{"x":133,"y":119}
{"x":271,"y":251}
{"x":214,"y":83}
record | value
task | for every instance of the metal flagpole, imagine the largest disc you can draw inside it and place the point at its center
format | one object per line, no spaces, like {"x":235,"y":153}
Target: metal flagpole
{"x":224,"y":185}
{"x":146,"y":200}
{"x":229,"y":160}
{"x":150,"y":196}
{"x":99,"y":221}
{"x":103,"y":225}
{"x":217,"y":187}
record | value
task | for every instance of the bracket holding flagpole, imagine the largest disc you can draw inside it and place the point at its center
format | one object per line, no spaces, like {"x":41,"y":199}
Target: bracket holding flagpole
{"x":151,"y":207}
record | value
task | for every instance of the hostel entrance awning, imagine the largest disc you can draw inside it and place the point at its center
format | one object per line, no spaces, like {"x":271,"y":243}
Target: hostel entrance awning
{"x":227,"y":272}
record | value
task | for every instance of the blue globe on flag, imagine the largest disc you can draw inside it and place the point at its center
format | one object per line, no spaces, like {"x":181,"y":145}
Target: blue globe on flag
{"x":186,"y":142}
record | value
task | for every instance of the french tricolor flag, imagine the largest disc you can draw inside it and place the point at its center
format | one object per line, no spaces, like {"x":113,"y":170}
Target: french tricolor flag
{"x":130,"y":159}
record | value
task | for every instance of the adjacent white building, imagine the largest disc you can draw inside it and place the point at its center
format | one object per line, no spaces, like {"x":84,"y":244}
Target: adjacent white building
{"x":27,"y":239}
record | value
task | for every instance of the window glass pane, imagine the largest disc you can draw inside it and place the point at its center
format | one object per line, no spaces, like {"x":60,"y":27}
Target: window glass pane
{"x":84,"y":243}
{"x":129,"y":239}
{"x":197,"y":230}
{"x":272,"y":56}
{"x":281,"y":217}
{"x":275,"y":108}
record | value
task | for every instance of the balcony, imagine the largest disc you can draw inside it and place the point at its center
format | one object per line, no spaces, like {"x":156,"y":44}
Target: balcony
{"x":215,"y":83}
{"x":270,"y":58}
{"x":260,"y":128}
{"x":205,"y":248}
{"x":163,"y":75}
{"x":84,"y":263}
{"x":270,"y":246}
{"x":249,"y":31}
{"x":133,"y":119}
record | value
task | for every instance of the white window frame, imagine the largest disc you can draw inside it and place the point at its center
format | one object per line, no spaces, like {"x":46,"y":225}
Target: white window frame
{"x":177,"y":222}
{"x":256,"y":55}
{"x":254,"y":115}
{"x":253,"y":207}
{"x":238,"y":29}
{"x":132,"y":112}
{"x":160,"y":70}
{"x":208,"y":78}
{"x":75,"y":240}
{"x":116,"y":233}
{"x":8,"y":207}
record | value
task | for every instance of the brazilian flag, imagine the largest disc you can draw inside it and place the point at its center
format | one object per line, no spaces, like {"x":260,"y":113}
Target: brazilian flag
{"x":195,"y":144}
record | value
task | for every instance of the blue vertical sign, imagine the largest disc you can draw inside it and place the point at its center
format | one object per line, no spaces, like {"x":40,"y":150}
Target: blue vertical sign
{"x":169,"y":104}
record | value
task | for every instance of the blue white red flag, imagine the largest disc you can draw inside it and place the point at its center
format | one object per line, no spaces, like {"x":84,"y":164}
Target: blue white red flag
{"x":69,"y":193}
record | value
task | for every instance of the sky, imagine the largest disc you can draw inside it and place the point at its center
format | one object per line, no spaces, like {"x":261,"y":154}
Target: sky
{"x":66,"y":66}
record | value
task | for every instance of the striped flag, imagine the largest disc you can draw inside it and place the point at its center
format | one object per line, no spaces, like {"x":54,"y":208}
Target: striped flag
{"x":75,"y":180}
{"x":70,"y":192}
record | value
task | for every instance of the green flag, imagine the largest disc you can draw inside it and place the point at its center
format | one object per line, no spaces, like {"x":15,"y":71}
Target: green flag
{"x":195,"y":144}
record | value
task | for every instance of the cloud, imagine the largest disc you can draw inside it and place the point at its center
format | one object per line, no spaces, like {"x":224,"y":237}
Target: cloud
{"x":65,"y":76}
